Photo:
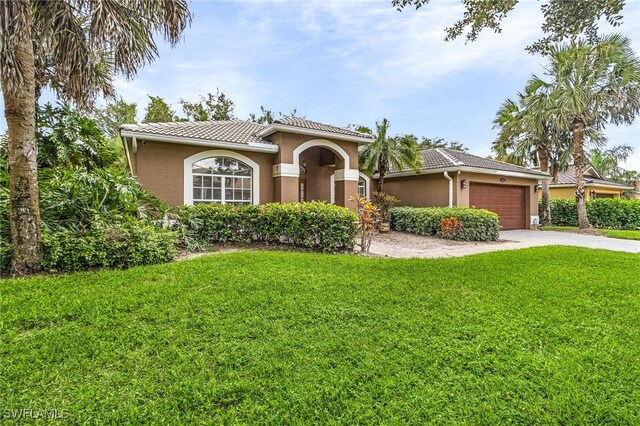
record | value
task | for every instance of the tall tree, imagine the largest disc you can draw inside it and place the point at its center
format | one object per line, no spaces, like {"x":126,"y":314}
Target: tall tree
{"x":267,"y":116}
{"x":562,"y":19}
{"x":115,"y":114}
{"x":589,"y":86}
{"x":158,"y":111}
{"x":528,"y":138}
{"x":385,"y":153}
{"x":607,"y":162}
{"x":429,"y":143}
{"x":73,"y":33}
{"x":214,"y":107}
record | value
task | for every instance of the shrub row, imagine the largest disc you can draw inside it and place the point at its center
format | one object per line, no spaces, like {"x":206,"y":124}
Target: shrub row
{"x":314,"y":225}
{"x":121,"y":246}
{"x":476,"y":224}
{"x":613,"y":213}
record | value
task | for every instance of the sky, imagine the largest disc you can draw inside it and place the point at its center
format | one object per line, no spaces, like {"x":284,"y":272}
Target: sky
{"x":357,"y":62}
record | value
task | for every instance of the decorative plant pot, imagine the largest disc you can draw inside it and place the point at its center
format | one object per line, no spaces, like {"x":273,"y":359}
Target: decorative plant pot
{"x":384,"y":226}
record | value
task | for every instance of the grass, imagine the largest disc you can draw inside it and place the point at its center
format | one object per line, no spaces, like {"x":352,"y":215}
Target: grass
{"x":624,"y":234}
{"x":542,"y":335}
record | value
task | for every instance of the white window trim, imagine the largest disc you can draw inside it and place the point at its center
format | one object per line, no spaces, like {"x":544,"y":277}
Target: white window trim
{"x":366,"y":178}
{"x":188,"y":175}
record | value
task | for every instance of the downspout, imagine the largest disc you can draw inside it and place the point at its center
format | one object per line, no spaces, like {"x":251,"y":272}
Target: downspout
{"x":446,"y":174}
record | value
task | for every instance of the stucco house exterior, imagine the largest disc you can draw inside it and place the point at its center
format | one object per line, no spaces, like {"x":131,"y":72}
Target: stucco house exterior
{"x":295,"y":159}
{"x":243,"y":162}
{"x":594,"y":185}
{"x":456,"y":178}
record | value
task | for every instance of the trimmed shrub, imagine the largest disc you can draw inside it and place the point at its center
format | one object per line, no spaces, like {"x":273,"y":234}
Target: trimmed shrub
{"x":475,"y":224}
{"x":121,"y":246}
{"x":613,"y":213}
{"x":314,"y":225}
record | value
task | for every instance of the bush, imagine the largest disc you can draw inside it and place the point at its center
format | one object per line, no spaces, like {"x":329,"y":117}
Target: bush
{"x":613,"y":213}
{"x":449,"y":227}
{"x":120,"y":246}
{"x":315,"y":225}
{"x":476,"y":224}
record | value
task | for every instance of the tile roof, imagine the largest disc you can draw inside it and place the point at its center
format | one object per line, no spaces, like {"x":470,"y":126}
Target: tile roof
{"x":568,"y":177}
{"x":314,"y":125}
{"x":234,"y":131}
{"x":442,"y":158}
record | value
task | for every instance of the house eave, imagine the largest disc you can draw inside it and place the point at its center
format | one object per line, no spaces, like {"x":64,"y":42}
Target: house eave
{"x":273,"y":128}
{"x":587,"y":184}
{"x":251,"y":146}
{"x":465,"y":169}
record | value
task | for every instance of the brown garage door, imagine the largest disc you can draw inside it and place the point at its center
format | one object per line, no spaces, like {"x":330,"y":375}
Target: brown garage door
{"x":507,"y":201}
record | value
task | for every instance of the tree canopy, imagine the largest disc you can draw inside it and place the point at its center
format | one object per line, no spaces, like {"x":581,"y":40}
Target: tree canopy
{"x":562,"y":19}
{"x":158,"y":111}
{"x":215,"y":107}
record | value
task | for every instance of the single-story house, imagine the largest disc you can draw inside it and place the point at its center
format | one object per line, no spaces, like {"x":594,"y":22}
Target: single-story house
{"x":594,"y":185}
{"x":454,"y":178}
{"x":295,"y":159}
{"x":243,"y":162}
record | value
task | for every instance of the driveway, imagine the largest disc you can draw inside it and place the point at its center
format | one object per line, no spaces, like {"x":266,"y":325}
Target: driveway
{"x":399,"y":244}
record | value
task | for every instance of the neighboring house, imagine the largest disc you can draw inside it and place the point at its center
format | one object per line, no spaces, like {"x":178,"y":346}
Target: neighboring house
{"x":594,"y":185}
{"x":243,"y":162}
{"x":455,"y":178}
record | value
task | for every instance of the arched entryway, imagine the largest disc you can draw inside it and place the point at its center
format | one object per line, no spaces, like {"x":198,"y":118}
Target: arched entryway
{"x":308,"y":176}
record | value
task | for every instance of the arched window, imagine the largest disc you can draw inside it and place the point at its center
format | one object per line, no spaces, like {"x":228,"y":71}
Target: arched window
{"x":362,"y":187}
{"x":222,"y":180}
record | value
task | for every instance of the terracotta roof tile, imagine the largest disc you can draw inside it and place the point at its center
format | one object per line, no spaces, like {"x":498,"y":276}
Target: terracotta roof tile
{"x":314,"y":125}
{"x":234,"y":131}
{"x":442,"y":158}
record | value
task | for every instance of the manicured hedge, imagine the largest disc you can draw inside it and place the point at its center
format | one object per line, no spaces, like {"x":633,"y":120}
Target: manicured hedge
{"x":477,"y":224}
{"x":613,"y":213}
{"x":120,"y":246}
{"x":314,"y":225}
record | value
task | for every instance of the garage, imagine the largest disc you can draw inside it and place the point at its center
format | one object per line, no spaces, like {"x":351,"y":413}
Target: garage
{"x":509,"y":202}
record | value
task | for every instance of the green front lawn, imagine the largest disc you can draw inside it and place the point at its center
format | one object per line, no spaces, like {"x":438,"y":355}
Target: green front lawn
{"x":624,"y":234}
{"x":542,"y":335}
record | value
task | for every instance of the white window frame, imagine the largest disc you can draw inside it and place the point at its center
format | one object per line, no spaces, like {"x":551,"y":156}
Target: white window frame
{"x":367,"y":181}
{"x":188,"y":175}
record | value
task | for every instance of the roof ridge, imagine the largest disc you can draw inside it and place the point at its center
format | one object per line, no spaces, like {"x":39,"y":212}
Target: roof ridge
{"x":491,"y":159}
{"x":453,"y":160}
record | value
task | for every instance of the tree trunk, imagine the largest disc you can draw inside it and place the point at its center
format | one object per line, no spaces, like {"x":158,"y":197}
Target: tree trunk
{"x":543,"y":156}
{"x":382,"y":171}
{"x":579,"y":163}
{"x":19,"y":111}
{"x":381,"y":182}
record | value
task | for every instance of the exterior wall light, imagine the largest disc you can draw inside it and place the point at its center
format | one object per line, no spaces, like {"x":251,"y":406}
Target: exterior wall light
{"x":593,"y":194}
{"x":537,"y":188}
{"x":303,"y":167}
{"x":463,"y":183}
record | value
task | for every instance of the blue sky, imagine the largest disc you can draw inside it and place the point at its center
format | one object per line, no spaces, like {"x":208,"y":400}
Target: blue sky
{"x":344,"y":62}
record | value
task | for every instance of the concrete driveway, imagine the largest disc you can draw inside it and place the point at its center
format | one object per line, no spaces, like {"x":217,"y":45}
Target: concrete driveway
{"x":402,"y":245}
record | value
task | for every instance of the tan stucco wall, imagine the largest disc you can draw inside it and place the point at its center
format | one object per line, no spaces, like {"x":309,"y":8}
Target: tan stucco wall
{"x":288,"y":142}
{"x":432,"y":190}
{"x":417,"y":191}
{"x":318,"y":177}
{"x":160,"y":169}
{"x":570,"y":193}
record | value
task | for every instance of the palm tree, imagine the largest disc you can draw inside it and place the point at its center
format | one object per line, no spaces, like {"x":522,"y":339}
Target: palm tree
{"x":75,"y":47}
{"x":524,"y":139}
{"x":590,"y":85}
{"x":385,"y":153}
